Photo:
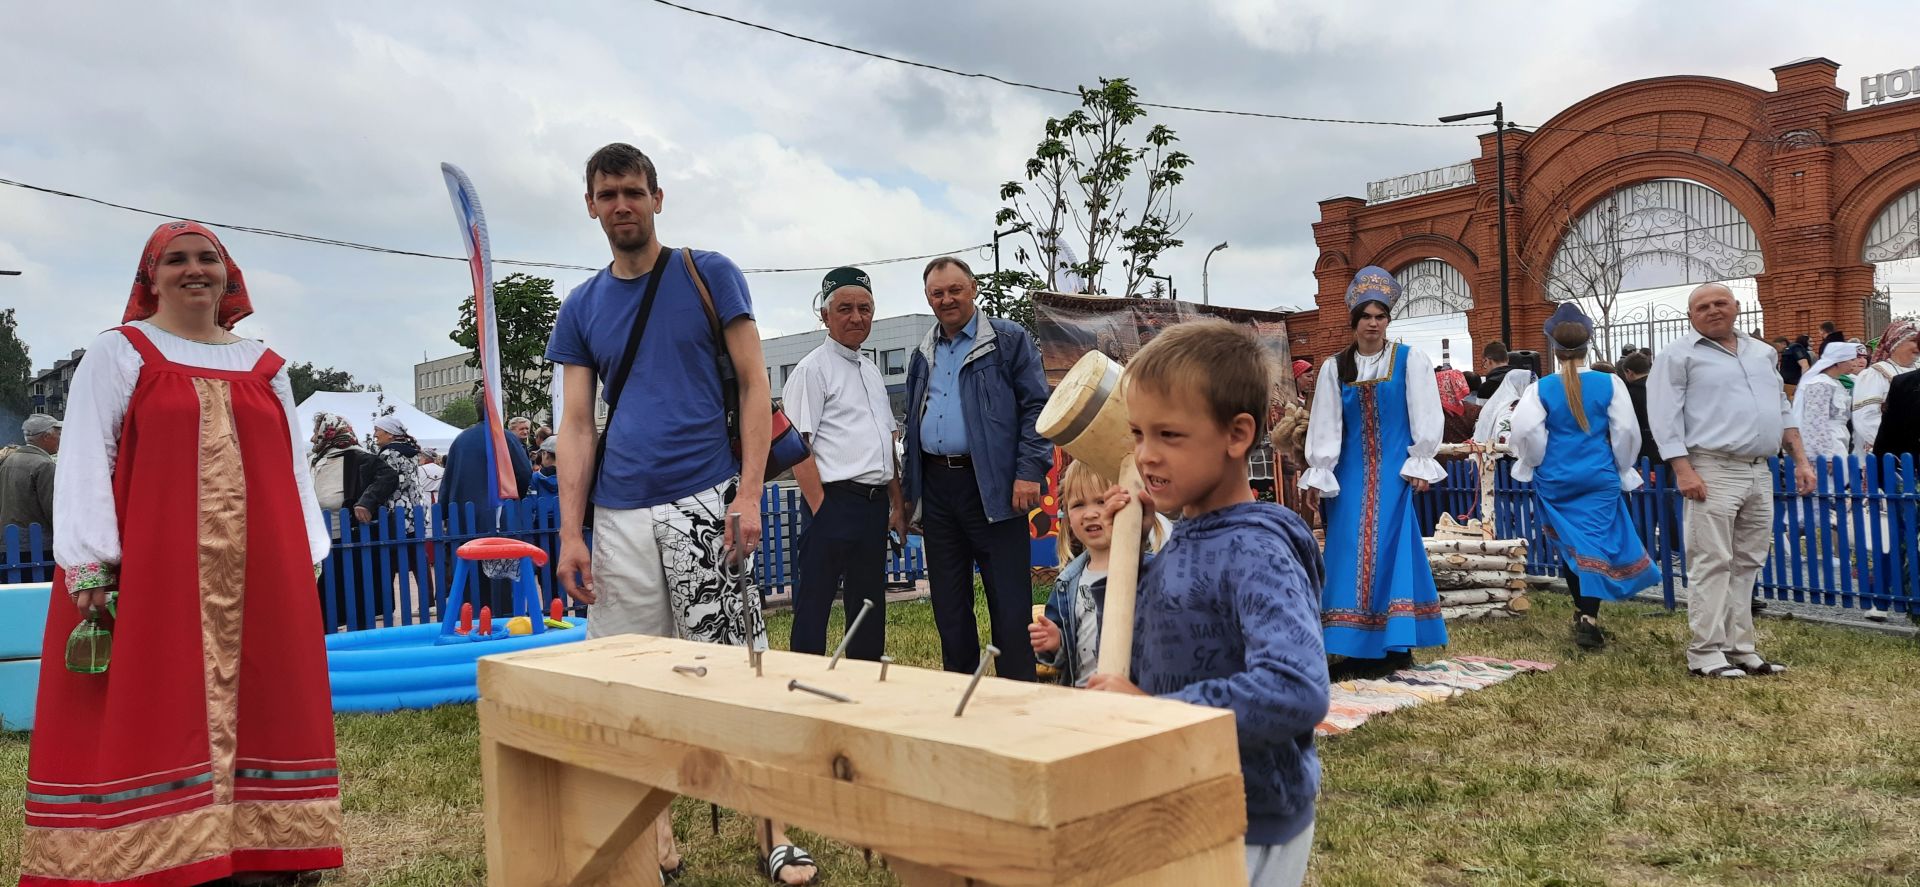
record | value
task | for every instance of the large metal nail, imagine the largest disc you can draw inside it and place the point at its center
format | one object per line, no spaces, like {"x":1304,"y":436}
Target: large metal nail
{"x":884,"y":662}
{"x":756,"y":656}
{"x":986,"y":656}
{"x":829,"y":694}
{"x":848,"y":639}
{"x":698,"y":671}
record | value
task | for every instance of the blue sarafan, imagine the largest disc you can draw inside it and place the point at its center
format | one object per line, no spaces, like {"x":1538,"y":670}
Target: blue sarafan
{"x":1379,"y":597}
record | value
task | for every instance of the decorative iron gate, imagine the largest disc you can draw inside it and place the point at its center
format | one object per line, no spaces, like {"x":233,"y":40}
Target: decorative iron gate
{"x":1657,"y":326}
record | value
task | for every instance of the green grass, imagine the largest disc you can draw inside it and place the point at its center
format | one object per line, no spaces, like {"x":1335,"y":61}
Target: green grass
{"x":1615,"y":768}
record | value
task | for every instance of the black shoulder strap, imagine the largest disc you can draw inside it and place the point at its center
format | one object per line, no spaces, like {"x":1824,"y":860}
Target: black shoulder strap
{"x":618,"y":381}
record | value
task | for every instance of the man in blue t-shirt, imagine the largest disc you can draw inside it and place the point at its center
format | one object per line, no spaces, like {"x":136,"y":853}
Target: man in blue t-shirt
{"x":668,"y":479}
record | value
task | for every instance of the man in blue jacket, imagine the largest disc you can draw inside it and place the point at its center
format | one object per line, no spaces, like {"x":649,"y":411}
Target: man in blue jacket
{"x":974,"y":467}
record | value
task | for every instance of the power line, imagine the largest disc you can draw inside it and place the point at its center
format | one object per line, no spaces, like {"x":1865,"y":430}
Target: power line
{"x":1035,"y":86}
{"x":1054,"y":90}
{"x":368,"y":247}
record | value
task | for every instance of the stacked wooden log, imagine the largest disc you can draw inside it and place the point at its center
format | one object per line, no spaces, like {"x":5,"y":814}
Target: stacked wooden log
{"x":1478,"y":578}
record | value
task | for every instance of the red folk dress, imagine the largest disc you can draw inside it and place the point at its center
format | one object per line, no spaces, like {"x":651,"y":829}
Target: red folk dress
{"x":207,"y":748}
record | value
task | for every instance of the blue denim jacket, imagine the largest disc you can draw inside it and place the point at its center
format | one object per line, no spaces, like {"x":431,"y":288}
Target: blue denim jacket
{"x":1002,"y":391}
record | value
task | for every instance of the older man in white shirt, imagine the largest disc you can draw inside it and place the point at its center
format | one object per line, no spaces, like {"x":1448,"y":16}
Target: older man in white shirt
{"x":835,"y":398}
{"x":1718,"y":412}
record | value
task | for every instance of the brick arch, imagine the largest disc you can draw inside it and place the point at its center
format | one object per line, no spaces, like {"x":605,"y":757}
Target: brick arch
{"x":1411,"y":249}
{"x":1810,"y":197}
{"x":1738,"y":104}
{"x":1864,"y":203}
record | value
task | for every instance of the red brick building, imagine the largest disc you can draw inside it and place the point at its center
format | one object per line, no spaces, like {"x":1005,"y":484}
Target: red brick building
{"x":1810,"y":177}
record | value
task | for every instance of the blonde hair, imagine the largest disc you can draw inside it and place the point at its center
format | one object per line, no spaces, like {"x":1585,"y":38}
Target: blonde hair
{"x":1570,"y":348}
{"x":1220,"y":361}
{"x":1081,"y":482}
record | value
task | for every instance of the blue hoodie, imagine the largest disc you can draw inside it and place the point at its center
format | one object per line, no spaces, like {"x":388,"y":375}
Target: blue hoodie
{"x":1228,"y":616}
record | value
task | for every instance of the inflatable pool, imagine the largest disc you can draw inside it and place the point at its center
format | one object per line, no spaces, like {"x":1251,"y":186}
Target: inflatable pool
{"x":421,"y":666}
{"x":23,"y":618}
{"x":386,"y":669}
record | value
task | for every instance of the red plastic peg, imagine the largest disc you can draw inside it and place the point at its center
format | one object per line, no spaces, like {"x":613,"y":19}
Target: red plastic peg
{"x":466,"y":620}
{"x":486,"y":621}
{"x":555,"y":610}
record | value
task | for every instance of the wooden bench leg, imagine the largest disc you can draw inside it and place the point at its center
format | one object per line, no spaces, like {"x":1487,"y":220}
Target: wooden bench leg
{"x":913,"y":874}
{"x":550,"y":824}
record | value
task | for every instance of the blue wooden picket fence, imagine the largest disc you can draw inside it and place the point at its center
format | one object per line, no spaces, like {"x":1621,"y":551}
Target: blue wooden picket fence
{"x":1853,"y":543}
{"x":397,"y":568}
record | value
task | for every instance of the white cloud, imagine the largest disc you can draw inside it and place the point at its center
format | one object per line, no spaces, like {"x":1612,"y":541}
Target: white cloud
{"x":331,"y":119}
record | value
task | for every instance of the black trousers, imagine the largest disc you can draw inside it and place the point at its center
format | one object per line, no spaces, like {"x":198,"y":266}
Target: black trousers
{"x":1582,"y":605}
{"x":958,"y":536}
{"x":844,"y":547}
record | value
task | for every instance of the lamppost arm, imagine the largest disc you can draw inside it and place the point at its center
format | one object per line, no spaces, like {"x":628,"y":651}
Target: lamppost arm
{"x":1206,"y":297}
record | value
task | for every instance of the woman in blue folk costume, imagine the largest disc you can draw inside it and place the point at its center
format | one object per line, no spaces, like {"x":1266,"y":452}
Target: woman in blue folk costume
{"x":1586,"y":419}
{"x":1375,"y":425}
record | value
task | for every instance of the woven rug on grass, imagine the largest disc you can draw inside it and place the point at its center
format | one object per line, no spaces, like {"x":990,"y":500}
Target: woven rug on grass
{"x":1353,"y":702}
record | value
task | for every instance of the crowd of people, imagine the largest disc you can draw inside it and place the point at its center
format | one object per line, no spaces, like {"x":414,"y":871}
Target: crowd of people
{"x":187,"y":481}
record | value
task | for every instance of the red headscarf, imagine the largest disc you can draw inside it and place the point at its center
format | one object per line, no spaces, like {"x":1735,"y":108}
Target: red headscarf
{"x":143,"y":301}
{"x":1897,"y":332}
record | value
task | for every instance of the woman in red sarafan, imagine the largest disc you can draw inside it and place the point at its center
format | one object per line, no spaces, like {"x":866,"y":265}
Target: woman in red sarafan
{"x":206,"y":749}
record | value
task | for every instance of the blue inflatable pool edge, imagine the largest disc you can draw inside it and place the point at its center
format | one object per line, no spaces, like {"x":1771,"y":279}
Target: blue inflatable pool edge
{"x":389,"y":669}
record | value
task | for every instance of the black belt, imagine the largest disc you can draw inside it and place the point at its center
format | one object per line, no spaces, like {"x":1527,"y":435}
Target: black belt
{"x":961,"y":461}
{"x":868,"y":492}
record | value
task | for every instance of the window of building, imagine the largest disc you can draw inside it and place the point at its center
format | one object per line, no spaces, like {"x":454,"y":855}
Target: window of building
{"x":893,"y":362}
{"x":871,"y":354}
{"x":786,"y":372}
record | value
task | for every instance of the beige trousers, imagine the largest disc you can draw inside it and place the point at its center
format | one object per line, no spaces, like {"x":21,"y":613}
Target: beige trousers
{"x":1728,"y":537}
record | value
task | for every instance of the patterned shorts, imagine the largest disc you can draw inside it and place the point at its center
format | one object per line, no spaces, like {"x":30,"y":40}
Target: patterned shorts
{"x":662,"y":571}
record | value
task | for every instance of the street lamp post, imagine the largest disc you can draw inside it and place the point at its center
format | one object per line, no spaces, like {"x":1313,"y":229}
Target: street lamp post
{"x":9,"y":274}
{"x":1206,"y":297}
{"x":996,"y":244}
{"x":1499,"y":114}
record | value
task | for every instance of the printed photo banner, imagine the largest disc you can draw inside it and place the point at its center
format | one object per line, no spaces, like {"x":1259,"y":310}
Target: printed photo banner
{"x":1067,"y":327}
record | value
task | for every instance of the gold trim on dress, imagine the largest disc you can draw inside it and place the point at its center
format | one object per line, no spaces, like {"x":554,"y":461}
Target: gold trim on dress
{"x":1393,"y":359}
{"x":223,"y":574}
{"x":169,"y":842}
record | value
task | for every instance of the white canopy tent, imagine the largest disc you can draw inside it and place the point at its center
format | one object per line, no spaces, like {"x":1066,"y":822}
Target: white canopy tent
{"x":362,"y":407}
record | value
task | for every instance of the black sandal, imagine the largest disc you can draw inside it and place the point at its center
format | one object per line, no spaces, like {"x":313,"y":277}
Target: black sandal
{"x":1723,"y":671}
{"x":788,"y":855}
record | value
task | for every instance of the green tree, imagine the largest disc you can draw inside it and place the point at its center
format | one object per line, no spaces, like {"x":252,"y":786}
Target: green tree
{"x":1074,"y":199}
{"x":307,"y":378}
{"x":16,"y":370}
{"x":461,"y":413}
{"x":1005,"y":294}
{"x":524,"y":308}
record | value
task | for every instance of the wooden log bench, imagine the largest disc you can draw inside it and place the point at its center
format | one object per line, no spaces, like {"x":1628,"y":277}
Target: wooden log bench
{"x":583,"y":745}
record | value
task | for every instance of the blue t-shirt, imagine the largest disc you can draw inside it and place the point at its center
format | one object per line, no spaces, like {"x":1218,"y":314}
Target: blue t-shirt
{"x":668,"y":439}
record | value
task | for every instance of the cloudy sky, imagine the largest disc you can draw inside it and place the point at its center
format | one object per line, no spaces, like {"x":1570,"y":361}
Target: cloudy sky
{"x":331,"y":119}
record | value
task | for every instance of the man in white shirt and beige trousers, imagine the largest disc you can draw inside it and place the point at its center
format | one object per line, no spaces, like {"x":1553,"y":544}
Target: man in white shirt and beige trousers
{"x":835,"y":397}
{"x":1719,"y":411}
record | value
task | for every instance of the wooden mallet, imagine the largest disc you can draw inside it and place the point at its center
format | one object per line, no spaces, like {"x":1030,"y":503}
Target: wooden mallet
{"x":1087,"y":417}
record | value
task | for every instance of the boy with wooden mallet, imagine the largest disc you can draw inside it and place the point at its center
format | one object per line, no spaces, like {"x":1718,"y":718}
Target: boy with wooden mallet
{"x":1227,"y":615}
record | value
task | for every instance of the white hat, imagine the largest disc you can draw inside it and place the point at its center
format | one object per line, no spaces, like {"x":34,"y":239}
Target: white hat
{"x":38,"y":424}
{"x":1835,"y":354}
{"x":391,"y":425}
